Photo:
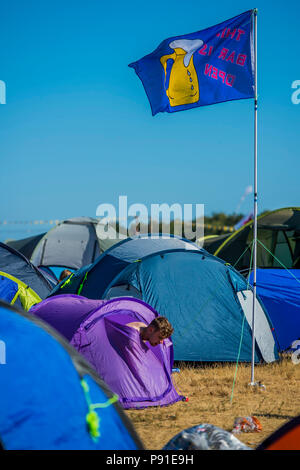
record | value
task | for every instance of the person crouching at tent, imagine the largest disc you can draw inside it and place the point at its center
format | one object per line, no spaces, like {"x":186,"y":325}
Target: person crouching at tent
{"x":124,"y":339}
{"x":159,"y":329}
{"x":64,"y":274}
{"x":130,"y":347}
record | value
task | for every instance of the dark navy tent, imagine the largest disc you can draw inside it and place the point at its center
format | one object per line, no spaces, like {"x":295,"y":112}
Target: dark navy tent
{"x":279,"y":290}
{"x":208,"y":302}
{"x":51,"y":398}
{"x":14,"y":263}
{"x":27,"y":245}
{"x":32,"y":284}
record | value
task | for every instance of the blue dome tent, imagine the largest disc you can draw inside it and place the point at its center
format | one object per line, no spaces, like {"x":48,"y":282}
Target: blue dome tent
{"x":207,"y":301}
{"x":92,"y":280}
{"x":279,"y":290}
{"x":51,"y":398}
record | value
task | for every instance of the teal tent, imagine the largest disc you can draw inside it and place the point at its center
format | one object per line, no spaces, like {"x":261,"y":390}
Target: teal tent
{"x":207,"y":301}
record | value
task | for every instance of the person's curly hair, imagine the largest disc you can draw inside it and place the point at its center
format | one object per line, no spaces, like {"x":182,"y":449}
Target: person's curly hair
{"x":163,"y":325}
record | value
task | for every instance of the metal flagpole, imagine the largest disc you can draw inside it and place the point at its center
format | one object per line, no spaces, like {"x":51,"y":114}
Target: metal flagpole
{"x":255,"y":198}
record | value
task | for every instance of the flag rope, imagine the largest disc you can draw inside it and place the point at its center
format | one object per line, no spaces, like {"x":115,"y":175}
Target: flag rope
{"x":247,"y":248}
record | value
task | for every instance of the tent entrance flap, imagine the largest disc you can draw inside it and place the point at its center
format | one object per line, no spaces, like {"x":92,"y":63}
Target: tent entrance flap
{"x":262,"y":331}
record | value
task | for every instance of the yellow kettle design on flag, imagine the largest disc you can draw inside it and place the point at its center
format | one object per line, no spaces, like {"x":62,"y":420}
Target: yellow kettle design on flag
{"x":183,"y":80}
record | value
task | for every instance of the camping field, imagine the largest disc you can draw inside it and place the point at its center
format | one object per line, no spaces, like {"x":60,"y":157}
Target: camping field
{"x":215,"y":398}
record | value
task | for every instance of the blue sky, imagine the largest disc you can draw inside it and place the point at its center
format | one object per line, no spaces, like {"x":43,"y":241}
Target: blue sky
{"x":77,"y":130}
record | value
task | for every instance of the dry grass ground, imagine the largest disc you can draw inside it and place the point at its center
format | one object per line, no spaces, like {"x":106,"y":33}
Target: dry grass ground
{"x":209,"y":390}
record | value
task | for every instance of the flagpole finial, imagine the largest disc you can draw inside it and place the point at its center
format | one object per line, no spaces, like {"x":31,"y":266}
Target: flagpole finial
{"x":255,"y":11}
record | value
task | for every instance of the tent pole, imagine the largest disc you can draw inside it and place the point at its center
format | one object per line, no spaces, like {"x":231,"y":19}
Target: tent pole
{"x":255,"y":200}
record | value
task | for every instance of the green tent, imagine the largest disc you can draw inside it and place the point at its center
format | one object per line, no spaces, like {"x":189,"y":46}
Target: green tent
{"x":278,"y":235}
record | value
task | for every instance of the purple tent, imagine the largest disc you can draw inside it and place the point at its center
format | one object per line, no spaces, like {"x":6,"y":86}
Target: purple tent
{"x":140,"y":374}
{"x":66,"y":314}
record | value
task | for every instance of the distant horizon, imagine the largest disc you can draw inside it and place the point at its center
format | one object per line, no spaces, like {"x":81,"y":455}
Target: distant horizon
{"x":32,"y":228}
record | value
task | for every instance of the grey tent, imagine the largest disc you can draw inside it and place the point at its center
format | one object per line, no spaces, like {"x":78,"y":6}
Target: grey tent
{"x":72,"y":243}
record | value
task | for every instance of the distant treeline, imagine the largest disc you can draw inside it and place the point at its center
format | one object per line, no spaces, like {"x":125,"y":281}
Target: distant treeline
{"x":216,"y":224}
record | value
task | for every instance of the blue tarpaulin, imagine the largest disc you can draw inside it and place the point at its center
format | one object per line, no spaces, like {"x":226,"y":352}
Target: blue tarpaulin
{"x":279,"y":290}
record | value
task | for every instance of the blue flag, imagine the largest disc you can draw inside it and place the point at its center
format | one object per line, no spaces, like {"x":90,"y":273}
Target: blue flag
{"x":202,"y":68}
